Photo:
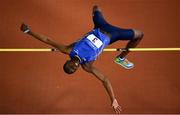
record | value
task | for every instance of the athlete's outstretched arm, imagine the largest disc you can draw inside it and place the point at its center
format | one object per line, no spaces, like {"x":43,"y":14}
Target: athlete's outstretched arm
{"x":89,"y":68}
{"x":45,"y":39}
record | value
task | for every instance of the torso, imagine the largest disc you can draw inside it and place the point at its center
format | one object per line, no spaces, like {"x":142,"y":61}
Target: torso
{"x":90,"y":46}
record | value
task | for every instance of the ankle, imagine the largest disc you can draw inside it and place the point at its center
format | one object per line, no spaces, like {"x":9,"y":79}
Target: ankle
{"x":121,"y":57}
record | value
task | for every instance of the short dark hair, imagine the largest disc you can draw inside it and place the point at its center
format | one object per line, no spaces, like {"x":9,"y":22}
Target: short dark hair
{"x":67,"y":68}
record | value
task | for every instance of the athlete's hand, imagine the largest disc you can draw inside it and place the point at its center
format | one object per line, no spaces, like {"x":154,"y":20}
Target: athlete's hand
{"x":116,"y":106}
{"x":25,"y":28}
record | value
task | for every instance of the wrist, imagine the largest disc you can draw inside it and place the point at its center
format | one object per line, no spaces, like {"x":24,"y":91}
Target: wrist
{"x":26,"y":31}
{"x":114,"y":101}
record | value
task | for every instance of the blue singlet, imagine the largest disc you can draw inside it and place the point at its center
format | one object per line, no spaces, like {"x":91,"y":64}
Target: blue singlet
{"x":90,"y":46}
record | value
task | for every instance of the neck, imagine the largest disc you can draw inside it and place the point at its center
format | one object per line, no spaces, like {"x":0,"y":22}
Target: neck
{"x":77,"y":58}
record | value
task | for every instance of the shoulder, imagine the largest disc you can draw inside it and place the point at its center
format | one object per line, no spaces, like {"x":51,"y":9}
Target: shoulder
{"x":88,"y":67}
{"x":69,"y":48}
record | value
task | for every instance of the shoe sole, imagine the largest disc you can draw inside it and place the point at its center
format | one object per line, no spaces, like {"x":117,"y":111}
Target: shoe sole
{"x":123,"y":65}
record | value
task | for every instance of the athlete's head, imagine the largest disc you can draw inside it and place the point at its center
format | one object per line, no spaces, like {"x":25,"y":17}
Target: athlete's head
{"x":71,"y":65}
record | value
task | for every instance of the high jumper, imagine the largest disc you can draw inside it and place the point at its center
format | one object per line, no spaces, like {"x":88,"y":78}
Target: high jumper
{"x":85,"y":51}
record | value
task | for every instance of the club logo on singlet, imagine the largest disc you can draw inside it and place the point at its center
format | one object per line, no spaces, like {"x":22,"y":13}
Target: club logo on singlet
{"x":94,"y":40}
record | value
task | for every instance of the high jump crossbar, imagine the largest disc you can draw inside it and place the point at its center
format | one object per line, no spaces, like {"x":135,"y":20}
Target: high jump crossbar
{"x":106,"y":49}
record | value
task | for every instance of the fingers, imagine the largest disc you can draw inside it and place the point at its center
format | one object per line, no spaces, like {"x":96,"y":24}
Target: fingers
{"x":22,"y":26}
{"x":118,"y":110}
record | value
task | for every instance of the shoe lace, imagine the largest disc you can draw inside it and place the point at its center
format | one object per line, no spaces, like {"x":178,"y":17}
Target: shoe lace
{"x":126,"y":61}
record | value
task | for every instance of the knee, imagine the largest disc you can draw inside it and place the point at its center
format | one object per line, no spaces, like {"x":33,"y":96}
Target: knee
{"x":138,"y":34}
{"x":96,"y":8}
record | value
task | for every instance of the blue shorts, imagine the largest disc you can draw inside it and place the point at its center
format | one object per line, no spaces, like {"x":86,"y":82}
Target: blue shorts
{"x":116,"y":33}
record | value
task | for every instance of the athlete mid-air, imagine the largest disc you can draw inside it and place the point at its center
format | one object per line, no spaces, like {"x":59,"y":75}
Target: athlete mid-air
{"x":86,"y":50}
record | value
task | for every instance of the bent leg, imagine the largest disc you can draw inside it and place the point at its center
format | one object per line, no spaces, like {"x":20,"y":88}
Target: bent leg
{"x":134,"y":41}
{"x":138,"y":35}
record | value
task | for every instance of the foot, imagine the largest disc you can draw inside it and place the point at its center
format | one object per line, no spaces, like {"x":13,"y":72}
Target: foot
{"x":124,"y":62}
{"x":25,"y":28}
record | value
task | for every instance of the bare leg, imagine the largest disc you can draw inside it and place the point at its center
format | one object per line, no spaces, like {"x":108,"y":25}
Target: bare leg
{"x":138,"y":35}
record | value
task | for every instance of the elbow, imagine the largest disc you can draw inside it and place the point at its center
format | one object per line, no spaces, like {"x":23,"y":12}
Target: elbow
{"x":105,"y":81}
